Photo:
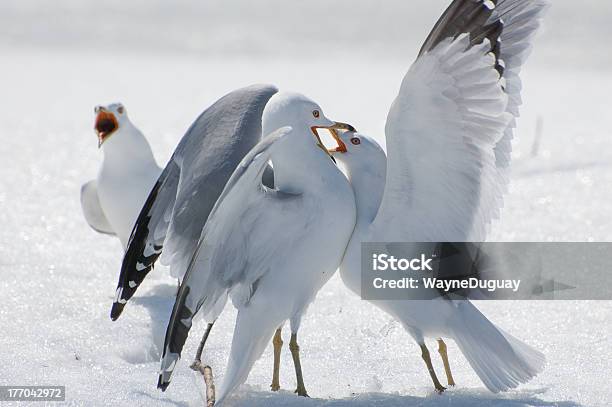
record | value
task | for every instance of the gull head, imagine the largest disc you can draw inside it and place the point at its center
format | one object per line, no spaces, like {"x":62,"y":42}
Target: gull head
{"x":303,"y":115}
{"x":109,"y":119}
{"x":355,"y":149}
{"x":365,"y":165}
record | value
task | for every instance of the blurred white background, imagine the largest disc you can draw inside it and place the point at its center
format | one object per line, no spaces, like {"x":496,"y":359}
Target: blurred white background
{"x":577,"y":33}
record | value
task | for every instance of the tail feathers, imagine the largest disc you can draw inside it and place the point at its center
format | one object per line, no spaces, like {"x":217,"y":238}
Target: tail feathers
{"x":535,"y":359}
{"x":251,"y":337}
{"x":501,"y":361}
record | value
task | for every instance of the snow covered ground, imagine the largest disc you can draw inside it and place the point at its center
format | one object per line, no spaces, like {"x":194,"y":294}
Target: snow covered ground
{"x":57,"y":277}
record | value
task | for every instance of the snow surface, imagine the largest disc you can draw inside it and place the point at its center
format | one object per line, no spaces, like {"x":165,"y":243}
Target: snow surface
{"x":57,"y":276}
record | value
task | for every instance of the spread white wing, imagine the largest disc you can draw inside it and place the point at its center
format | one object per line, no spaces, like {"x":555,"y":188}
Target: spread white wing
{"x":449,"y":131}
{"x":441,"y":133}
{"x":92,"y":210}
{"x":247,"y":228}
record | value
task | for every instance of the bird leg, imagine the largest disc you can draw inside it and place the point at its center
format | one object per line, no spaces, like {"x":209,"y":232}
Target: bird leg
{"x":205,"y":370}
{"x":295,"y":353}
{"x":277,"y":341}
{"x":432,"y":373}
{"x":444,"y":355}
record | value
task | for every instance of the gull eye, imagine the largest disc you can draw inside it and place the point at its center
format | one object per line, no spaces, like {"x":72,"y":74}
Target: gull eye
{"x":355,"y":141}
{"x":121,"y":109}
{"x":316,"y":114}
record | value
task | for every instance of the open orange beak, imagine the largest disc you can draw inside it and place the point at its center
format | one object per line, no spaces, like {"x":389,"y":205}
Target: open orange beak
{"x":341,"y":148}
{"x":105,"y":125}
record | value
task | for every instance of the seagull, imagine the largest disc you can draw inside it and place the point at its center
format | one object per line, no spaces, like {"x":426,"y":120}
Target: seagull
{"x":111,"y":202}
{"x":174,"y":214}
{"x":179,"y":203}
{"x":270,"y":250}
{"x":448,"y":136}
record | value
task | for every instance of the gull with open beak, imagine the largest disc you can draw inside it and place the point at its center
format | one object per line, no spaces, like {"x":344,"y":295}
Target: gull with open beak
{"x":337,"y":126}
{"x":111,"y":202}
{"x":269,"y":249}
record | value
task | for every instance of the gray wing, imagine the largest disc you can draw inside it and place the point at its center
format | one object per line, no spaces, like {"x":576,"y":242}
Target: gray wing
{"x":233,"y":251}
{"x":510,"y":26}
{"x":179,"y":204}
{"x":92,"y":210}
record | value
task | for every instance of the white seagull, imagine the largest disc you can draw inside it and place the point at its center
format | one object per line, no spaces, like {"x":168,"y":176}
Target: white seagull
{"x":178,"y":206}
{"x":271,"y":250}
{"x":111,"y":202}
{"x":448,"y":138}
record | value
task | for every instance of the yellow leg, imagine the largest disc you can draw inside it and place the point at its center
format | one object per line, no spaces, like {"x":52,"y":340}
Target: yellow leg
{"x":444,"y":355}
{"x":432,"y":373}
{"x":295,"y":353}
{"x":277,"y":341}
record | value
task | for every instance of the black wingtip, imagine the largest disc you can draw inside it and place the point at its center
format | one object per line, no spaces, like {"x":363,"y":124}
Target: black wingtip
{"x":116,"y":310}
{"x":161,"y":384}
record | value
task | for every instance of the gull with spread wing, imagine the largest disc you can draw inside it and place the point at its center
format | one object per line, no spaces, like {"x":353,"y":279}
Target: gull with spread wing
{"x":448,"y":135}
{"x":173,"y":215}
{"x":176,"y":210}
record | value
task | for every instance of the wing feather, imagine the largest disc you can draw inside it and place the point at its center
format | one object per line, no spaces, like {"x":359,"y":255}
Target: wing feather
{"x":227,"y":245}
{"x":92,"y":210}
{"x":441,"y":131}
{"x":507,"y":31}
{"x":521,"y":21}
{"x":177,"y":208}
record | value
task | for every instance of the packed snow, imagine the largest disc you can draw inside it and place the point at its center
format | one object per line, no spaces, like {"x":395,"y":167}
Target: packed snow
{"x":58,"y":277}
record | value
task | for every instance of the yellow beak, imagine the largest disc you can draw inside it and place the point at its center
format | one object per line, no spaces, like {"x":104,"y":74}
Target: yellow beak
{"x":333,"y":130}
